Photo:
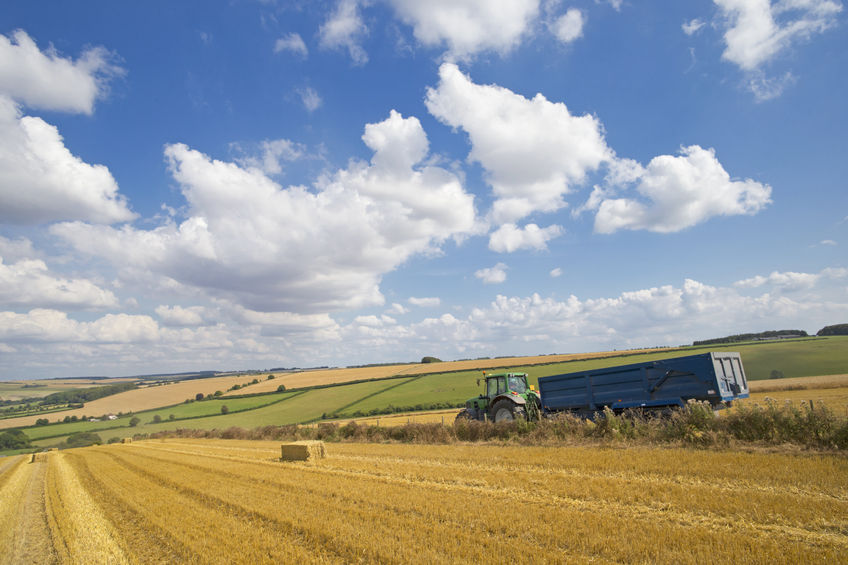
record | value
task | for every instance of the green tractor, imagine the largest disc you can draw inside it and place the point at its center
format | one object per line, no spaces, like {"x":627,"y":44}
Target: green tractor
{"x":507,"y":396}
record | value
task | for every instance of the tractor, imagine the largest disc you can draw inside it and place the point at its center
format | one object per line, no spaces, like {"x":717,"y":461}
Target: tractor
{"x":506,"y":397}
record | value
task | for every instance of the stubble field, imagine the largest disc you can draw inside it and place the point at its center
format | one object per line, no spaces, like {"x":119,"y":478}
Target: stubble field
{"x":225,"y":500}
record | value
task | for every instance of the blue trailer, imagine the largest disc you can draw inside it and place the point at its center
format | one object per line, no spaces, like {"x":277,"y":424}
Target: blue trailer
{"x":717,"y":378}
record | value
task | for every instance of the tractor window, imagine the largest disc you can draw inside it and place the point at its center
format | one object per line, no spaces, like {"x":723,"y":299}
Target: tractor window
{"x":501,"y":385}
{"x":492,"y":388}
{"x":518,"y":384}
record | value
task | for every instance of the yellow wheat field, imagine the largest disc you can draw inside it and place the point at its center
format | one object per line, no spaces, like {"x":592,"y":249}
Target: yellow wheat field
{"x":343,"y":375}
{"x":225,"y":501}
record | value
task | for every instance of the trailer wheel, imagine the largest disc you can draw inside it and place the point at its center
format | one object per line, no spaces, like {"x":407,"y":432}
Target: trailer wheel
{"x":506,"y":411}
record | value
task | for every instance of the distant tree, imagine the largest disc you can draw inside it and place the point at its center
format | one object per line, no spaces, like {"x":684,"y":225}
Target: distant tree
{"x":42,"y":422}
{"x":113,"y":440}
{"x":281,"y":388}
{"x":198,"y":396}
{"x":83,"y":439}
{"x":171,"y":417}
{"x":430,"y":360}
{"x":224,"y":409}
{"x":218,"y":393}
{"x":157,"y":418}
{"x":134,"y":421}
{"x":14,"y":439}
{"x":254,"y":382}
{"x":838,"y":329}
{"x":271,"y":377}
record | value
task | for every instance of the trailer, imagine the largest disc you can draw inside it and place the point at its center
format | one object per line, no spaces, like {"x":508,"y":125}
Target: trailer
{"x":716,"y":377}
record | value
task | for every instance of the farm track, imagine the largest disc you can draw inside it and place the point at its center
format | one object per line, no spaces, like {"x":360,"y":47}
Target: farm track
{"x":219,"y":501}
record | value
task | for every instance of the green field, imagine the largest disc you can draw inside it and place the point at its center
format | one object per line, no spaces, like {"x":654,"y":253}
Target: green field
{"x":806,"y":357}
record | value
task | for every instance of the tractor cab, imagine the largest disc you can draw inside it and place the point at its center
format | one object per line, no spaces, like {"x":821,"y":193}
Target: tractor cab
{"x":506,"y":396}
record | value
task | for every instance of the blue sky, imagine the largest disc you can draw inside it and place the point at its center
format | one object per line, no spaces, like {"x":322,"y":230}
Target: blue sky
{"x":253,"y":184}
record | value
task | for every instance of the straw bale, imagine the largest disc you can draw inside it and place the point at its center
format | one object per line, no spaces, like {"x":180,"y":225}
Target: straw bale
{"x":40,"y":456}
{"x":303,"y":451}
{"x":126,"y":440}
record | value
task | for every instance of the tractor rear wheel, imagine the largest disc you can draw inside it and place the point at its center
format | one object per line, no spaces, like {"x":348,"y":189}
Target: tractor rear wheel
{"x":506,"y":411}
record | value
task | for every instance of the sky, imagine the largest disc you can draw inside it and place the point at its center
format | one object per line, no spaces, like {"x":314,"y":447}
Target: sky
{"x":251,"y":184}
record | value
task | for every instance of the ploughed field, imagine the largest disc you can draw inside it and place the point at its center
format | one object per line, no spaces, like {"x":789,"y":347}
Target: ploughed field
{"x":228,"y":500}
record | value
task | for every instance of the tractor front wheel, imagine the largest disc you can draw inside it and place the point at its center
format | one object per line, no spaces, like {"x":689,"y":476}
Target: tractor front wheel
{"x":464,"y":415}
{"x":506,"y":411}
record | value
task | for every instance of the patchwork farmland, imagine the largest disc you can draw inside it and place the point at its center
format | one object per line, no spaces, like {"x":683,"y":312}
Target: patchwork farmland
{"x":209,"y":500}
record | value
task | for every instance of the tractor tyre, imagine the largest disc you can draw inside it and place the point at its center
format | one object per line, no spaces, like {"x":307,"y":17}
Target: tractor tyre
{"x":464,"y":416}
{"x":506,"y":411}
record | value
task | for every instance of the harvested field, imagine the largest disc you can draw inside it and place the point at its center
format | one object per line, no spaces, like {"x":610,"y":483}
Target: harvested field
{"x":218,"y":500}
{"x":799,"y":383}
{"x":137,"y":400}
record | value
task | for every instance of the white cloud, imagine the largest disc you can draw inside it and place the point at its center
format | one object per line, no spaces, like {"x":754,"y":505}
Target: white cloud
{"x":509,"y":237}
{"x":492,"y":275}
{"x":310,"y":98}
{"x":344,"y":29}
{"x":757,"y":30}
{"x":179,"y":316}
{"x":692,"y":27}
{"x":397,"y":308}
{"x":28,"y":282}
{"x":682,"y":191}
{"x":14,"y":249}
{"x":293,"y":43}
{"x":827,"y":242}
{"x":467,"y":27}
{"x":45,"y":325}
{"x":792,"y":281}
{"x":272,"y":153}
{"x":533,"y":151}
{"x":273,"y":249}
{"x":766,"y":88}
{"x":41,"y":181}
{"x":556,"y":273}
{"x":430,"y":302}
{"x":569,"y":26}
{"x":47,"y":81}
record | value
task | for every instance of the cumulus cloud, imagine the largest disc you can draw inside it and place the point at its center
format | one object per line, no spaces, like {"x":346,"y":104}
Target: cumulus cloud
{"x":509,"y":237}
{"x":681,"y":191}
{"x":758,"y":30}
{"x":180,"y":316}
{"x":48,"y":81}
{"x":424,"y":302}
{"x":533,"y":151}
{"x":467,"y":27}
{"x":789,"y":280}
{"x":492,"y":275}
{"x":344,"y":29}
{"x":272,"y":249}
{"x":42,"y":181}
{"x":271,"y":154}
{"x":28,"y":282}
{"x":46,"y":325}
{"x":293,"y":43}
{"x":569,"y":26}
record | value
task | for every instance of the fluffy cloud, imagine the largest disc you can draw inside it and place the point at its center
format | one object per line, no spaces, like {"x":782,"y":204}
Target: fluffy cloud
{"x":41,"y":181}
{"x":492,"y":275}
{"x":45,"y":325}
{"x":533,"y":151}
{"x":757,"y":30}
{"x":792,"y":281}
{"x":28,"y":282}
{"x":292,"y":43}
{"x":509,"y":237}
{"x":569,"y":26}
{"x":682,"y":191}
{"x":430,"y":302}
{"x":271,"y":155}
{"x":179,"y":316}
{"x":267,"y":248}
{"x":344,"y":29}
{"x":310,"y":98}
{"x":48,"y":81}
{"x":467,"y":27}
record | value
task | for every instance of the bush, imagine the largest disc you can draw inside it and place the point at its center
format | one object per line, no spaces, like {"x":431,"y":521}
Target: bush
{"x":82,"y":439}
{"x":134,"y":421}
{"x":171,"y":417}
{"x":157,"y":418}
{"x":281,"y":388}
{"x":14,"y":439}
{"x":430,"y":360}
{"x":42,"y":422}
{"x":198,"y":396}
{"x":775,"y":374}
{"x":112,"y":440}
{"x":224,"y":409}
{"x":271,"y":377}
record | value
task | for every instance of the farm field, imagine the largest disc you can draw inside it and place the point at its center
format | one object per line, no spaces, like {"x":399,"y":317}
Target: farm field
{"x":145,"y":398}
{"x":218,"y":500}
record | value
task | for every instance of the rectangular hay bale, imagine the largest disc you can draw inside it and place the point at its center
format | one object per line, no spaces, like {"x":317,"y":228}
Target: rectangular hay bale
{"x":303,"y":451}
{"x":126,"y":440}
